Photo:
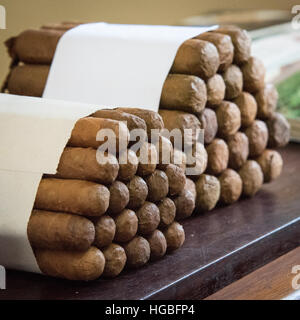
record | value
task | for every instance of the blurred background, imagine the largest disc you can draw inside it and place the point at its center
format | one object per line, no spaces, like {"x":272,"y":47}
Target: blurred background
{"x":23,"y":14}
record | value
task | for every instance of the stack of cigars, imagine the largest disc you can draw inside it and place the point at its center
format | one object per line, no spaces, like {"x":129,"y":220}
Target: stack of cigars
{"x":214,"y":84}
{"x":93,"y":217}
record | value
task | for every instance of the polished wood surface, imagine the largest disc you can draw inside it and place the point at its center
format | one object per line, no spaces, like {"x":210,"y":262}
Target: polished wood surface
{"x":221,"y":247}
{"x":273,"y":281}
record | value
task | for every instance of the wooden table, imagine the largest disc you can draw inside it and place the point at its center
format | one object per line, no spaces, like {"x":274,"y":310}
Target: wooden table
{"x":221,"y":247}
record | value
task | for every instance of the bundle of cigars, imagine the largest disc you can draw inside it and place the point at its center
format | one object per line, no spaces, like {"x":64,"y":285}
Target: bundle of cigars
{"x":117,"y":215}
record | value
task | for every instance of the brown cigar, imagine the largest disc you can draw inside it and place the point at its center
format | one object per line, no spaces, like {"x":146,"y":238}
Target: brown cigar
{"x":183,"y":92}
{"x":165,"y":152}
{"x":137,"y":252}
{"x":279,"y":131}
{"x":158,"y":185}
{"x":28,"y":80}
{"x":215,"y":90}
{"x":128,"y":165}
{"x":148,"y":159}
{"x":233,"y":78}
{"x":224,"y":46}
{"x":271,"y":164}
{"x":257,"y":135}
{"x":196,"y":57}
{"x":83,"y":164}
{"x":231,"y":186}
{"x":218,"y":156}
{"x":71,"y":265}
{"x":266,"y":99}
{"x":119,"y":197}
{"x":148,"y":218}
{"x":241,"y":42}
{"x":36,"y":46}
{"x":86,"y":133}
{"x":248,"y":108}
{"x":105,"y":228}
{"x":167,"y":211}
{"x":115,"y":260}
{"x":253,"y":74}
{"x":179,"y":159}
{"x":196,"y":160}
{"x":238,"y":146}
{"x":229,"y":119}
{"x":158,"y":244}
{"x":175,"y":236}
{"x":208,"y":192}
{"x":138,"y":192}
{"x":126,"y":225}
{"x":185,"y":204}
{"x":74,"y":196}
{"x":176,"y":178}
{"x":252,"y":177}
{"x":209,"y":123}
{"x":180,"y":120}
{"x":59,"y":231}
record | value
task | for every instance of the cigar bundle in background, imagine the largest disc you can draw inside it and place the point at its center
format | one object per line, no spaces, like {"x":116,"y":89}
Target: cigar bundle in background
{"x":126,"y":214}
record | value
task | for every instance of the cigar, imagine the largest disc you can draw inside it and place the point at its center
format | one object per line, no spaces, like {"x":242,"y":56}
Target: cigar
{"x":175,"y":236}
{"x":167,"y":211}
{"x":148,"y":158}
{"x":138,"y":192}
{"x":183,"y":92}
{"x":176,"y":179}
{"x":181,"y":120}
{"x":128,"y":165}
{"x":133,"y":122}
{"x":185,"y":204}
{"x":224,"y":46}
{"x":153,"y":119}
{"x":231,"y":186}
{"x":215,"y":90}
{"x":73,"y":196}
{"x":119,"y":197}
{"x":229,"y":119}
{"x":208,"y":192}
{"x":165,"y":152}
{"x":248,"y":108}
{"x":105,"y":229}
{"x":158,"y":185}
{"x":257,"y":135}
{"x":271,"y":164}
{"x":86,"y":133}
{"x":126,"y":226}
{"x":266,"y":99}
{"x":253,"y":74}
{"x":115,"y":260}
{"x":218,"y":156}
{"x":233,"y":78}
{"x":179,"y":159}
{"x":148,"y":218}
{"x":252,"y":177}
{"x":238,"y":146}
{"x":72,"y":265}
{"x":137,"y":251}
{"x":209,"y":123}
{"x":196,"y":160}
{"x":59,"y":231}
{"x":158,"y":245}
{"x":241,"y":42}
{"x":28,"y":80}
{"x":83,"y":164}
{"x":279,"y":131}
{"x":191,"y":187}
{"x":196,"y":57}
{"x":36,"y":46}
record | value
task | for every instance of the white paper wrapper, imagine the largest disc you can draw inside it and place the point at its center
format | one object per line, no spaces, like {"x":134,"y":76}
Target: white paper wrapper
{"x":115,"y":65}
{"x":33,"y":134}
